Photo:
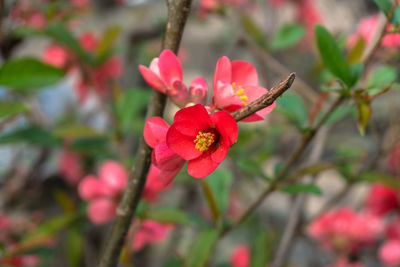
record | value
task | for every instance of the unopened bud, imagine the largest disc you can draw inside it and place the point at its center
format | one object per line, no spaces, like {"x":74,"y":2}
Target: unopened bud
{"x":198,"y":90}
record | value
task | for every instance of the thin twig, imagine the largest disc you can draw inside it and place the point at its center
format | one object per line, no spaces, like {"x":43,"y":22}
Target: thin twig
{"x":265,"y":100}
{"x":178,"y":11}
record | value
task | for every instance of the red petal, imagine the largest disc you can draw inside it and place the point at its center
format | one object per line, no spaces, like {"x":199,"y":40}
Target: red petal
{"x":170,"y":67}
{"x":182,"y":145}
{"x":223,"y":72}
{"x":220,"y":153}
{"x":152,"y":79}
{"x":225,"y":96}
{"x":196,"y":115}
{"x":202,"y":166}
{"x":226,"y":126}
{"x":155,"y":131}
{"x":244,"y":73}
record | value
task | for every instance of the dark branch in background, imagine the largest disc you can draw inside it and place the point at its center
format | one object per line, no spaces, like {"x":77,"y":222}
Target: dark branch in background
{"x":266,"y":100}
{"x":178,"y":11}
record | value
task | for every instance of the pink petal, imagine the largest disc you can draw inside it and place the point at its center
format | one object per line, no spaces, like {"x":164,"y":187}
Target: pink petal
{"x":101,"y":211}
{"x":114,"y":176}
{"x":155,"y":131}
{"x":202,"y":166}
{"x":170,"y":67}
{"x":182,"y":145}
{"x":389,"y":253}
{"x":198,"y":90}
{"x":163,"y":154}
{"x":226,"y":126}
{"x":241,"y":256}
{"x":223,"y":73}
{"x":225,"y":96}
{"x":196,"y":115}
{"x":152,"y":79}
{"x":244,"y":73}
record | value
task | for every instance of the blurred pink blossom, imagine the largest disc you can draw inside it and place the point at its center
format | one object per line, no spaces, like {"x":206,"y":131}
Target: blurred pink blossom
{"x":382,"y":199}
{"x":389,"y":253}
{"x":55,"y":55}
{"x":150,"y":232}
{"x":70,"y":167}
{"x":240,"y":256}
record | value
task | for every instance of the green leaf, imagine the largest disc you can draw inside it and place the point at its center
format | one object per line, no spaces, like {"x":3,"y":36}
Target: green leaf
{"x":8,"y":109}
{"x":74,"y":247}
{"x":220,"y":181}
{"x":382,"y":77}
{"x":173,"y":261}
{"x":384,"y":5}
{"x":253,"y":30}
{"x":339,"y":114}
{"x":364,"y":113}
{"x":259,"y":250}
{"x":251,"y":167}
{"x":76,"y":131}
{"x":168,"y":215}
{"x":108,"y":40}
{"x":382,"y":178}
{"x":332,"y":56}
{"x":98,"y":146}
{"x":396,"y":17}
{"x":33,"y":135}
{"x":200,"y":249}
{"x":293,"y":108}
{"x":27,"y":74}
{"x":311,"y":170}
{"x":356,"y":71}
{"x":287,"y":36}
{"x":357,"y":51}
{"x":302,"y":188}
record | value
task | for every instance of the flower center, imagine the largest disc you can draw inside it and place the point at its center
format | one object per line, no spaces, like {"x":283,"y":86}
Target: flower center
{"x":204,"y":140}
{"x":239,"y":91}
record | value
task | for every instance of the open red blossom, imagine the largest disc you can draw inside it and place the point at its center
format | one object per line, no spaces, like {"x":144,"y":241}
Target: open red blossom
{"x":202,"y":139}
{"x":236,"y":85}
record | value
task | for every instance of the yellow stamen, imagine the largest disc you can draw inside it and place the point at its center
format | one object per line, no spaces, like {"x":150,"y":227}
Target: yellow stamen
{"x":204,"y":140}
{"x":240,"y":93}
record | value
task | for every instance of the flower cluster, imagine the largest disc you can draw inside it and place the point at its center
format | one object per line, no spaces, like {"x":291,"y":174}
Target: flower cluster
{"x":344,"y":231}
{"x":98,"y":77}
{"x":104,"y":193}
{"x":366,"y":31}
{"x":200,"y":134}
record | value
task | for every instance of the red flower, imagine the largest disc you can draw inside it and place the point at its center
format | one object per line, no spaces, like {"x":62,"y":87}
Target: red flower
{"x":150,"y":232}
{"x":240,"y":256}
{"x":236,"y":85}
{"x":202,"y":139}
{"x":163,"y":158}
{"x":382,"y":199}
{"x":389,"y":253}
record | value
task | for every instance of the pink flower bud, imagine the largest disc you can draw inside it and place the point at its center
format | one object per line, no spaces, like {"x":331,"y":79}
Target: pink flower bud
{"x":389,"y":253}
{"x":88,"y":41}
{"x":241,"y":256}
{"x":55,"y":55}
{"x":101,"y":210}
{"x":90,"y":188}
{"x":198,"y":90}
{"x":114,"y":176}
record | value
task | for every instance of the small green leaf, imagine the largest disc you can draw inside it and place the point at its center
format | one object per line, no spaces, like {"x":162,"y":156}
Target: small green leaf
{"x":259,"y":250}
{"x":33,"y":135}
{"x":396,"y":17}
{"x":220,"y":181}
{"x":108,"y":40}
{"x":168,"y":215}
{"x":74,"y":247}
{"x":200,"y":249}
{"x":302,"y":188}
{"x":384,"y":5}
{"x":383,"y":178}
{"x":356,"y":71}
{"x":27,"y":74}
{"x":332,"y":56}
{"x":287,"y":36}
{"x":339,"y":114}
{"x":356,"y":53}
{"x":293,"y":108}
{"x":382,"y":77}
{"x":173,"y":261}
{"x":8,"y":109}
{"x":76,"y":131}
{"x":98,"y":146}
{"x":251,"y":167}
{"x":364,"y":113}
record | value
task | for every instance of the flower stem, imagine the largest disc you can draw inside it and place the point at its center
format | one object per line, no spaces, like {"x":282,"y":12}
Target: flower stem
{"x":211,"y":201}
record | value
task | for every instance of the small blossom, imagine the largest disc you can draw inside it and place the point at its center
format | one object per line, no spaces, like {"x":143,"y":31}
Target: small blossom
{"x":198,"y":90}
{"x":389,"y":253}
{"x":70,"y":167}
{"x":382,"y":199}
{"x":236,"y":85}
{"x":240,"y":256}
{"x":154,"y":184}
{"x":202,"y":139}
{"x":150,"y":232}
{"x":165,"y":75}
{"x":393,"y":229}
